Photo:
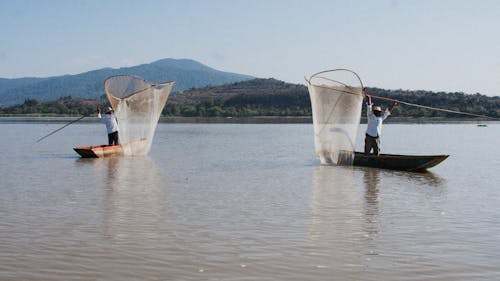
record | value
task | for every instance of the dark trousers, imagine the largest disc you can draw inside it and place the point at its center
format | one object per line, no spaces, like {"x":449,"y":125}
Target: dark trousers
{"x":372,"y":143}
{"x":113,"y":138}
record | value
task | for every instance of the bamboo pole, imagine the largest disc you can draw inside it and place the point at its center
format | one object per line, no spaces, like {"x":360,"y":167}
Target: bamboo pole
{"x":433,"y":108}
{"x":55,"y":131}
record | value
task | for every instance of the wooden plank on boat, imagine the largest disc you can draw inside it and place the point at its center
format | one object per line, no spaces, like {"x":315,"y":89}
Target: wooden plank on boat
{"x":414,"y":163}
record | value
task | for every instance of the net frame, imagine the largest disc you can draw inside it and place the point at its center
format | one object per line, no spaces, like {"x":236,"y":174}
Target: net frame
{"x":336,"y":111}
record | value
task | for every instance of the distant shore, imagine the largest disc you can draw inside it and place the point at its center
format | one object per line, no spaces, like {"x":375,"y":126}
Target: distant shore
{"x":237,"y":120}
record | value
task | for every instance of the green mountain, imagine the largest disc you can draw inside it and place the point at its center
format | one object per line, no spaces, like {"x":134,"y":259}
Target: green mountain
{"x":186,"y":73}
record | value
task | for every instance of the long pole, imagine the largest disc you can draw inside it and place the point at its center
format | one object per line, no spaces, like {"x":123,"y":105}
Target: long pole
{"x":53,"y":132}
{"x":434,"y":108}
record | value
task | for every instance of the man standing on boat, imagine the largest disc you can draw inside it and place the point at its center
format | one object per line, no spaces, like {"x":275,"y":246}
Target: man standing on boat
{"x":109,"y":119}
{"x":374,"y":125}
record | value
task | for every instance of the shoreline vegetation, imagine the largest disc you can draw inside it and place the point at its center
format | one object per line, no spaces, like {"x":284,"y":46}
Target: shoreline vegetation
{"x":30,"y":118}
{"x":271,"y":101}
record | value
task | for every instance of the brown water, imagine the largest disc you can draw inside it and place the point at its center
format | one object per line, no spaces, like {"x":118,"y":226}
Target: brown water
{"x":247,"y":202}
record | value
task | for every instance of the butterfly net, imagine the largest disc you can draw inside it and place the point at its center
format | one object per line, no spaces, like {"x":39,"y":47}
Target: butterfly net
{"x":336,"y":101}
{"x":137,"y":105}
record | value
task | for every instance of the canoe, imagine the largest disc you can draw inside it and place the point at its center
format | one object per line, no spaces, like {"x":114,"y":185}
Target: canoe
{"x":99,"y":151}
{"x":413,"y":163}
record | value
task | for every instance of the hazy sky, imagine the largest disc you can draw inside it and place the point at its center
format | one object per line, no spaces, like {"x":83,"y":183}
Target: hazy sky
{"x":428,"y":45}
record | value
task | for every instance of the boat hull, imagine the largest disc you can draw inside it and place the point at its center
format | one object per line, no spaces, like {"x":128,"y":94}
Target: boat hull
{"x":414,"y":163}
{"x":99,"y":151}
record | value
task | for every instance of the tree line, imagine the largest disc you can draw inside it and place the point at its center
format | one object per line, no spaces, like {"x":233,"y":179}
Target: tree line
{"x":456,"y":101}
{"x":268,"y":97}
{"x":234,"y":107}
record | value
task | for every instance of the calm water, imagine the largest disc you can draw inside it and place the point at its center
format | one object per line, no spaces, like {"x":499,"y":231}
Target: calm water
{"x":247,"y":202}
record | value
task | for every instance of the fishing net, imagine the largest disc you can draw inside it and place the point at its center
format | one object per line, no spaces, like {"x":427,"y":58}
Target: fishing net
{"x":138,"y":105}
{"x":336,"y":101}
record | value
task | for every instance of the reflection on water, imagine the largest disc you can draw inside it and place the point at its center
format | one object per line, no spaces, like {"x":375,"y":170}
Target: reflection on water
{"x":421,"y":179}
{"x":134,"y":221}
{"x":371,"y":180}
{"x":337,"y":219}
{"x":134,"y":197}
{"x":350,"y":216}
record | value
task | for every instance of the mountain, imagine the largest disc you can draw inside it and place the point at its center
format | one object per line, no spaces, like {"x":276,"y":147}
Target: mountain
{"x":186,"y":73}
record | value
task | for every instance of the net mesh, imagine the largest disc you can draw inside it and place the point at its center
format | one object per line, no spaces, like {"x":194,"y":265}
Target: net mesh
{"x":138,"y":105}
{"x":336,"y":101}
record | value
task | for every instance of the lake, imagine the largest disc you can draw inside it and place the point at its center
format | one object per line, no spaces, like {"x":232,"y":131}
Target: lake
{"x":247,"y":202}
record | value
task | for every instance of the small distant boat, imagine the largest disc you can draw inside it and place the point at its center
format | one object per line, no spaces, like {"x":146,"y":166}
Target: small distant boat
{"x":482,"y":125}
{"x":99,"y":151}
{"x":412,"y":163}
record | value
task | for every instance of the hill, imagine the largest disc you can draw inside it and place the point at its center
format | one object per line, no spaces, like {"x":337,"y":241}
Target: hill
{"x":257,"y":97}
{"x":457,"y":101}
{"x":186,"y":73}
{"x":271,"y":97}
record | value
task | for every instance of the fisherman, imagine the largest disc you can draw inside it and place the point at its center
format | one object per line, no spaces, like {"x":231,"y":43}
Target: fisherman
{"x":109,"y":119}
{"x":374,"y":125}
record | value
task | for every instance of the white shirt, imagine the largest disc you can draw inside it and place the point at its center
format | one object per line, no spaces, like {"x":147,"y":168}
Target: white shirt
{"x":110,"y":121}
{"x":374,"y":126}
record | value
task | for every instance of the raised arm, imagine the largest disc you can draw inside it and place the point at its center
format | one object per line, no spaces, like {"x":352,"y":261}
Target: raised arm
{"x":369,"y":106}
{"x":394,"y":103}
{"x":368,"y":100}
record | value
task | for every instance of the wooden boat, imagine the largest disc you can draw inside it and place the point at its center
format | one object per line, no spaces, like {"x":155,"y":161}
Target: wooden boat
{"x":414,"y":163}
{"x":99,"y":151}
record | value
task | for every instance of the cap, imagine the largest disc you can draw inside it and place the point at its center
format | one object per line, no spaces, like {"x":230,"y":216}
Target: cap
{"x":377,"y":108}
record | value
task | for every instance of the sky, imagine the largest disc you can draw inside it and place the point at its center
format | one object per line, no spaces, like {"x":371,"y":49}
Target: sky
{"x":441,"y":45}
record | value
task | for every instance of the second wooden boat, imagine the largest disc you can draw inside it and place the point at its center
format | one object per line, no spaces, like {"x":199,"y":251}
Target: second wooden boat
{"x":414,"y":163}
